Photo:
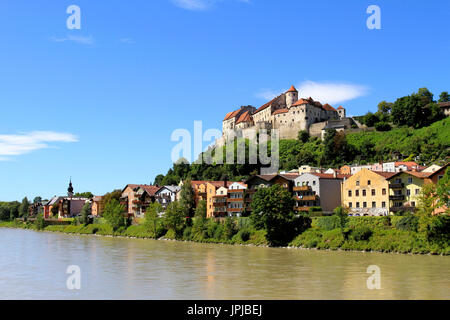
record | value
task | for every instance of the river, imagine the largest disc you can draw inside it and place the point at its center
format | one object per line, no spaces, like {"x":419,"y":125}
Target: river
{"x":33,"y":265}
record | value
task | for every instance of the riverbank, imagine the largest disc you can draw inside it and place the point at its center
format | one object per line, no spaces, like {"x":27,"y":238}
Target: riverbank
{"x":369,"y":234}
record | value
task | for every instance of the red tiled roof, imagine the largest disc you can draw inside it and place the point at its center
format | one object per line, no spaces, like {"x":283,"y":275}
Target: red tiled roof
{"x":268,"y":104}
{"x":292,"y":89}
{"x":290,"y":176}
{"x":328,"y":107}
{"x":301,"y":101}
{"x":340,"y":108}
{"x":444,"y":104}
{"x":231,"y":115}
{"x":420,"y":175}
{"x":386,"y":175}
{"x":441,"y":170}
{"x":151,"y":190}
{"x":280,"y":111}
{"x":245,"y":117}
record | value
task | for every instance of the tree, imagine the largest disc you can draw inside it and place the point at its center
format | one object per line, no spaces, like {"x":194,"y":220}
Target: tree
{"x":371,"y":119}
{"x":272,"y":210}
{"x":55,"y":210}
{"x":37,"y":200}
{"x":336,"y":148}
{"x":187,"y":198}
{"x":174,"y":218}
{"x":87,"y":195}
{"x":24,"y":208}
{"x":159,"y":180}
{"x":152,"y":218}
{"x":303,"y":136}
{"x":342,"y":215}
{"x":199,"y":228}
{"x":113,"y":213}
{"x":113,"y":195}
{"x":444,"y":97}
{"x":85,"y":213}
{"x":385,"y":108}
{"x":39,"y":222}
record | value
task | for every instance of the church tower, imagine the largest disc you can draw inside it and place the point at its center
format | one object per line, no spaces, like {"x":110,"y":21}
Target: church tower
{"x":291,"y":97}
{"x":70,"y":189}
{"x":341,"y":112}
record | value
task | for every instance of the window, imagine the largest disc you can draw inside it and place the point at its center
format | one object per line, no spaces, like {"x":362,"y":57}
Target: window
{"x":417,"y":191}
{"x":373,"y":192}
{"x":383,"y":204}
{"x":410,"y":180}
{"x":357,"y":193}
{"x":364,"y":193}
{"x":314,"y":183}
{"x":364,"y":204}
{"x":408,"y":192}
{"x":368,"y":182}
{"x":383,"y":192}
{"x":349,"y":193}
{"x":374,"y":204}
{"x":413,"y":203}
{"x":357,"y":204}
{"x":357,"y":183}
{"x":398,"y":180}
{"x":349,"y":204}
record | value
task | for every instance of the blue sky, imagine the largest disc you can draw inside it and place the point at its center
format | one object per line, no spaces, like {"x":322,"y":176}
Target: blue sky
{"x":99,"y":104}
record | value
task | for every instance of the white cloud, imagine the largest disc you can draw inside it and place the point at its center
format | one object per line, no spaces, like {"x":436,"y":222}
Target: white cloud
{"x":331,"y":92}
{"x":18,"y":144}
{"x":325,"y":92}
{"x":200,"y":5}
{"x":78,"y":39}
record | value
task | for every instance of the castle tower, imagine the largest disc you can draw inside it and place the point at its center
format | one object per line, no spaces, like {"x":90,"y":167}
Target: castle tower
{"x":291,"y":97}
{"x":70,"y":189}
{"x":341,"y":112}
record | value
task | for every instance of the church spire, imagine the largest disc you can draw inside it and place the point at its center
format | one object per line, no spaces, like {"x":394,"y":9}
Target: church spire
{"x":70,"y":189}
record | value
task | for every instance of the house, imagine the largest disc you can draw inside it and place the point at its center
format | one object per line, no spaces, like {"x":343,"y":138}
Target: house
{"x":166,"y":195}
{"x":432,"y":168}
{"x":211,"y":189}
{"x":137,"y":197}
{"x":345,"y":170}
{"x":407,"y":166}
{"x":404,"y":190}
{"x":366,"y":193}
{"x":435,"y":177}
{"x":68,"y":207}
{"x":237,"y":203}
{"x":220,"y":203}
{"x":356,"y":168}
{"x":445,"y":108}
{"x":318,"y":190}
{"x":389,"y":167}
{"x":97,"y":206}
{"x":307,"y":169}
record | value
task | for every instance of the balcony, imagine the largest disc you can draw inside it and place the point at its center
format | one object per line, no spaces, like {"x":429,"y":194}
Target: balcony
{"x":397,"y":197}
{"x":302,"y":188}
{"x":306,"y":198}
{"x":396,"y":185}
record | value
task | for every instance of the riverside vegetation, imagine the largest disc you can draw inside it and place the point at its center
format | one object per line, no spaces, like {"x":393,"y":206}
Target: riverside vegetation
{"x":274,"y":223}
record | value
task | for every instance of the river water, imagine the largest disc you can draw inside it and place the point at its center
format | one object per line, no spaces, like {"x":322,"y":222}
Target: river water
{"x":33,"y":265}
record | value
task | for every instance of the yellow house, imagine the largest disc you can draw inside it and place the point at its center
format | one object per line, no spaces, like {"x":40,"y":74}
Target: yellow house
{"x":404,"y":190}
{"x":366,"y":193}
{"x":211,"y":190}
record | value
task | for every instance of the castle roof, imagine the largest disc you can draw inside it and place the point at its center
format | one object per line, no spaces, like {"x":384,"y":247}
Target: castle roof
{"x":265,"y":106}
{"x":280,"y":111}
{"x":292,"y":89}
{"x":340,"y":108}
{"x":245,"y":117}
{"x":231,"y":115}
{"x":300,"y":102}
{"x":328,"y":107}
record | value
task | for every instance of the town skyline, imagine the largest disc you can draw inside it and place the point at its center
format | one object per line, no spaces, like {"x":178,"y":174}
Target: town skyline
{"x":99,"y":104}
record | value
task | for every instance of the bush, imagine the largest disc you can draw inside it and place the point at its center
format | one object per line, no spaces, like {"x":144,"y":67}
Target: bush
{"x":383,"y":126}
{"x":244,"y":235}
{"x":408,"y":223}
{"x":327,"y":223}
{"x":361,"y":233}
{"x":187,"y":233}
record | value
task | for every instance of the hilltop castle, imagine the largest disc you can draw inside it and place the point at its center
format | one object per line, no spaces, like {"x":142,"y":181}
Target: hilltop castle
{"x":289,"y":115}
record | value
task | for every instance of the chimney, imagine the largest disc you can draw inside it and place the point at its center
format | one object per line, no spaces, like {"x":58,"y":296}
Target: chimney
{"x":334,"y":174}
{"x":225,"y":182}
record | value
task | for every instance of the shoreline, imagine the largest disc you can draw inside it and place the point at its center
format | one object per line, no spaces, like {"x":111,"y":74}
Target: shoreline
{"x":228,"y":244}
